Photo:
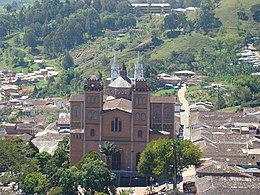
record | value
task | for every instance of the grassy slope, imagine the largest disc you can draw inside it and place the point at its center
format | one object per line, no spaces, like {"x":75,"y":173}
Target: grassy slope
{"x":90,"y":60}
{"x":227,"y":12}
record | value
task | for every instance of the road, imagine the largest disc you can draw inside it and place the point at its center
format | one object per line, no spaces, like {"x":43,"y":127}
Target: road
{"x":189,"y":173}
{"x":184,"y":115}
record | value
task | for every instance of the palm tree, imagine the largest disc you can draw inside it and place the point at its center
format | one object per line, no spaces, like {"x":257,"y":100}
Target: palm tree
{"x":108,"y":149}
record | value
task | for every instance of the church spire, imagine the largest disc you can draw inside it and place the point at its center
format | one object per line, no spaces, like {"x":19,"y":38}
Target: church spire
{"x":114,"y":69}
{"x":139,"y":72}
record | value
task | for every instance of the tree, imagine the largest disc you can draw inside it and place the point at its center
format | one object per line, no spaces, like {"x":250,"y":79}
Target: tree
{"x":95,"y":176}
{"x":206,"y":20}
{"x":108,"y":22}
{"x":158,"y":157}
{"x":16,"y":156}
{"x":172,"y":21}
{"x":97,"y":5}
{"x":108,"y":149}
{"x":255,"y":9}
{"x":41,"y":159}
{"x":122,"y":8}
{"x":35,"y":183}
{"x":93,"y":23}
{"x":67,"y":61}
{"x":29,"y":38}
{"x":68,"y":179}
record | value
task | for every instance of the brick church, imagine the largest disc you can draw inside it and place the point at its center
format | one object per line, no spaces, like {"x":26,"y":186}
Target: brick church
{"x":122,"y":112}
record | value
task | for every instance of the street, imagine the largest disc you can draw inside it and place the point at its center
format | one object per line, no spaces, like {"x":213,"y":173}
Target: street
{"x":184,"y":115}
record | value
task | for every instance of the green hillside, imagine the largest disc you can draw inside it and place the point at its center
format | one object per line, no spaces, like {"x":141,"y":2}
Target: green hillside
{"x":88,"y":35}
{"x":227,"y":12}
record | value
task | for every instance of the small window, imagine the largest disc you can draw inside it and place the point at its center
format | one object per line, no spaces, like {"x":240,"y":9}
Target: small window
{"x":76,"y":112}
{"x":137,"y":116}
{"x":143,"y":100}
{"x":140,"y":100}
{"x":156,"y":115}
{"x":95,"y":115}
{"x":89,"y":99}
{"x":96,"y":99}
{"x":89,"y":115}
{"x":140,"y":133}
{"x":112,"y":125}
{"x":119,"y":125}
{"x":168,"y":115}
{"x":143,"y":116}
{"x":118,"y":92}
{"x":92,"y":132}
{"x":116,"y":125}
{"x":93,"y":99}
{"x":136,"y":100}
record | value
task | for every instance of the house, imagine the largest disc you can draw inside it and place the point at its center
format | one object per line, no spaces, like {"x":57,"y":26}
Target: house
{"x":8,"y":89}
{"x":63,"y":122}
{"x":123,"y":113}
{"x":152,"y":8}
{"x":168,"y":79}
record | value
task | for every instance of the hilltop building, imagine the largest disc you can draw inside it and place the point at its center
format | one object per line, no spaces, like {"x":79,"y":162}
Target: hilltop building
{"x":124,"y":113}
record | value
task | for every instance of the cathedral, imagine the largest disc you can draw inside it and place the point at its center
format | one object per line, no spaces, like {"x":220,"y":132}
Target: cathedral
{"x":123,"y":112}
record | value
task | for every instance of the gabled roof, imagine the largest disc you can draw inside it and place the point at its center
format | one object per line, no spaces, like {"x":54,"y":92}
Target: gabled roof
{"x":121,"y":82}
{"x":120,"y":104}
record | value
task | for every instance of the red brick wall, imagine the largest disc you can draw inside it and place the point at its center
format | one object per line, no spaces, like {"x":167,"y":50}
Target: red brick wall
{"x":125,"y":118}
{"x":76,"y":147}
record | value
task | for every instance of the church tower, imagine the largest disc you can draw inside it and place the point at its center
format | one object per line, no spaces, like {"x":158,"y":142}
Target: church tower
{"x":139,"y":72}
{"x":140,"y":118}
{"x":93,"y":104}
{"x":114,"y":69}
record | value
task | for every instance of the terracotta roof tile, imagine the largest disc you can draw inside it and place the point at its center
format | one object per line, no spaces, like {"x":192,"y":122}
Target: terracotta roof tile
{"x":120,"y":104}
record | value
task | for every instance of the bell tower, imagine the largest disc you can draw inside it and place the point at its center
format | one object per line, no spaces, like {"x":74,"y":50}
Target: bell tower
{"x":93,"y":103}
{"x":140,"y":118}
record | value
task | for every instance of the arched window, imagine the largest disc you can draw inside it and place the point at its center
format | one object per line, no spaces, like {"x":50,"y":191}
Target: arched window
{"x":89,"y":115}
{"x":116,"y":124}
{"x":112,"y":125}
{"x":137,"y":116}
{"x":95,"y":115}
{"x":116,"y":161}
{"x":136,"y":100}
{"x":93,"y":99}
{"x":143,"y":116}
{"x":140,"y":100}
{"x":119,"y":125}
{"x":89,"y":99}
{"x":140,"y":133}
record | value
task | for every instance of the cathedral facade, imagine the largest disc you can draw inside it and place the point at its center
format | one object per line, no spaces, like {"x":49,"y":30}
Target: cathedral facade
{"x":122,"y":112}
